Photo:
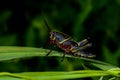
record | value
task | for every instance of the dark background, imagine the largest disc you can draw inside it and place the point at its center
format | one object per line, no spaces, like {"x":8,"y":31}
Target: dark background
{"x":21,"y":25}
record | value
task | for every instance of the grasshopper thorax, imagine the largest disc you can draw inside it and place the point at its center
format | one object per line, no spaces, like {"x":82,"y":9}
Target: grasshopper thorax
{"x":58,"y":36}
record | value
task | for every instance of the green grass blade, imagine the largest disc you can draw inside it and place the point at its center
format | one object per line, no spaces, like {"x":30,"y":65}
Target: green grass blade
{"x":13,"y":52}
{"x":8,"y":53}
{"x":58,"y":75}
{"x":101,"y":65}
{"x":55,"y":75}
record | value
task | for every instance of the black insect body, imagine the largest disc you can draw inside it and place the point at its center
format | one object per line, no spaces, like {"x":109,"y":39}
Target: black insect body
{"x":67,"y":44}
{"x":63,"y":41}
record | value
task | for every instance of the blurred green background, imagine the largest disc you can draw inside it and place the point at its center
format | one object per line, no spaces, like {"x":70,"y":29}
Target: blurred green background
{"x":21,"y":25}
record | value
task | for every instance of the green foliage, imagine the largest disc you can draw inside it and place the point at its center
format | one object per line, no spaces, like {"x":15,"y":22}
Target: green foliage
{"x":21,"y":24}
{"x":10,"y":53}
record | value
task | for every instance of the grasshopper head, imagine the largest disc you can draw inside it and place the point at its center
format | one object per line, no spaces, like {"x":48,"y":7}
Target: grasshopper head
{"x":52,"y":37}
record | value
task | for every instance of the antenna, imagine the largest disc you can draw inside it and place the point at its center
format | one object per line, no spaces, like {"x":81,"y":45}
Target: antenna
{"x":47,"y":26}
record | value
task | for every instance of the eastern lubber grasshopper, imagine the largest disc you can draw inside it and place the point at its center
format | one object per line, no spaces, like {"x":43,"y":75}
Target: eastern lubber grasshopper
{"x":67,"y":44}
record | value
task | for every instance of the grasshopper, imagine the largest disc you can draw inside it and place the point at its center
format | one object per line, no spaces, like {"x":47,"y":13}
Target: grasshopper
{"x":67,"y":44}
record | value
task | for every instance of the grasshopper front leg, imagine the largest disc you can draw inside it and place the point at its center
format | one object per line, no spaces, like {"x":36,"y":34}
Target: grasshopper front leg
{"x":49,"y":52}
